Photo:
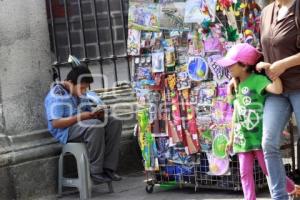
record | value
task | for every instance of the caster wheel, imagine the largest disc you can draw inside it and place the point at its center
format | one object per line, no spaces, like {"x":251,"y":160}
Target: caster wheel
{"x":149,"y":189}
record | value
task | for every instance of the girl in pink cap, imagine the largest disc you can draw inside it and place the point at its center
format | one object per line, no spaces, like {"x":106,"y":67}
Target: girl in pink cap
{"x":248,"y":101}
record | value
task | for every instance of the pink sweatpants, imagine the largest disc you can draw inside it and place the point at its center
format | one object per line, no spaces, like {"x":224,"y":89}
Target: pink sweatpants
{"x":246,"y":161}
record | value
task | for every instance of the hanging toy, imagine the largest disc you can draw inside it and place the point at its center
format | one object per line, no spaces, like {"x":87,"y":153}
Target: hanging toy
{"x":197,"y":69}
{"x":232,"y":34}
{"x":171,"y":81}
{"x":217,"y":166}
{"x":146,"y":141}
{"x":237,"y":8}
{"x":72,"y":59}
{"x":248,"y":36}
{"x":250,"y":19}
{"x":219,"y":145}
{"x":224,"y":5}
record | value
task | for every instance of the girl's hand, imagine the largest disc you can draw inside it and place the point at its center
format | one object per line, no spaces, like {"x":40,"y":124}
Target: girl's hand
{"x":277,"y":68}
{"x":229,"y":147}
{"x":262,"y":65}
{"x":232,"y":86}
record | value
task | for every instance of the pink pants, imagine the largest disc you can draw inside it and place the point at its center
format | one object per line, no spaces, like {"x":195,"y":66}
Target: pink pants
{"x":246,"y":161}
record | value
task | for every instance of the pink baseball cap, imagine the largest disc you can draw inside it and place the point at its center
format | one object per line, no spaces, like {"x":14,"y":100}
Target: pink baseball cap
{"x":244,"y":53}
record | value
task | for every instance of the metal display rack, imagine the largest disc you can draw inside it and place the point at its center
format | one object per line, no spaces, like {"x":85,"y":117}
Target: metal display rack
{"x":170,"y":174}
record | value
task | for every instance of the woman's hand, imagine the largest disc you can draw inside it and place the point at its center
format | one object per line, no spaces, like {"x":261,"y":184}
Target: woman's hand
{"x":277,"y":68}
{"x":271,"y":70}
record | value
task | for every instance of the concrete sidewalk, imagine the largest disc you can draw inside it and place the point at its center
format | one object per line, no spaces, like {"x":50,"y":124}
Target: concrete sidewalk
{"x":132,"y":187}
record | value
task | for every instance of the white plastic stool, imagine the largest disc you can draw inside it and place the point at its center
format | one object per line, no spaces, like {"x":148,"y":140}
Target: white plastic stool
{"x":83,"y":182}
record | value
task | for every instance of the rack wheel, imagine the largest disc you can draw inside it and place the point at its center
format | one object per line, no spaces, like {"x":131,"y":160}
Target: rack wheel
{"x":149,"y":189}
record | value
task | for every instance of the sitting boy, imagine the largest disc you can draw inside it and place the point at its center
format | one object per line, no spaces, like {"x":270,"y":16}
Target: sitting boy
{"x":71,"y":119}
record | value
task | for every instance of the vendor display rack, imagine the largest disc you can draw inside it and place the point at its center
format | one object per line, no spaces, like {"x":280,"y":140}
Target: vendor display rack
{"x":184,"y":118}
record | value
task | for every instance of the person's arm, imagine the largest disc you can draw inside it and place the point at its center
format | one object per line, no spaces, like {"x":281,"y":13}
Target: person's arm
{"x":288,"y":62}
{"x":280,"y":66}
{"x":69,"y":121}
{"x":275,"y":87}
{"x":262,"y":65}
{"x":231,"y":136}
{"x":232,"y":87}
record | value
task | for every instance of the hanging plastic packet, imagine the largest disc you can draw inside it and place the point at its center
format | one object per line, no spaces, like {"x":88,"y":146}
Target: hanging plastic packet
{"x":218,"y":166}
{"x":197,"y":68}
{"x":154,"y":100}
{"x":146,"y":41}
{"x":250,"y":21}
{"x":178,"y":155}
{"x":220,"y":141}
{"x":222,"y":110}
{"x":171,"y":81}
{"x":143,"y":16}
{"x":147,"y":142}
{"x":206,"y":140}
{"x":142,"y":96}
{"x":211,"y":6}
{"x":196,"y":11}
{"x":213,"y":39}
{"x":204,"y":118}
{"x":162,"y":148}
{"x":133,"y":42}
{"x":170,"y":58}
{"x":195,"y":44}
{"x":220,"y":74}
{"x":156,"y":41}
{"x":183,"y":81}
{"x":194,"y":96}
{"x":157,"y":62}
{"x":206,"y":94}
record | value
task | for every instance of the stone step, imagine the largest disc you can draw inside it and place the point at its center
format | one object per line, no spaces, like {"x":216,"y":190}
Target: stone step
{"x":123,"y":105}
{"x":120,"y":100}
{"x":116,"y":93}
{"x":120,"y":88}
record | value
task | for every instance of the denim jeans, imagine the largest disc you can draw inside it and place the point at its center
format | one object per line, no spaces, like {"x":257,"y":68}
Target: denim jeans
{"x":277,"y":112}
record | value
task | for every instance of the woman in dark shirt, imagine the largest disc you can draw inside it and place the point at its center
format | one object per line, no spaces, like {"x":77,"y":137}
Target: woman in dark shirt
{"x":280,"y":47}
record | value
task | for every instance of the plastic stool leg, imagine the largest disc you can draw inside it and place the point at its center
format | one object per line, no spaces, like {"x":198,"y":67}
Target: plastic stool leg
{"x":60,"y":173}
{"x":82,"y":174}
{"x":110,"y":187}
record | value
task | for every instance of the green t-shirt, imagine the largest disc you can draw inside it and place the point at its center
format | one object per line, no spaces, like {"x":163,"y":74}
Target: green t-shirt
{"x":248,"y":110}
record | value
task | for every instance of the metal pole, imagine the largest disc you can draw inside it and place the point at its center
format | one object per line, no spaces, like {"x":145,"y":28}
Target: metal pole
{"x":82,"y":30}
{"x":54,"y":41}
{"x":114,"y":58}
{"x":125,"y":39}
{"x":53,"y":30}
{"x":68,"y":27}
{"x":98,"y":43}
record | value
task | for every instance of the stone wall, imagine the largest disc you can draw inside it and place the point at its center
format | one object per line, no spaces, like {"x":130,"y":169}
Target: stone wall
{"x":28,"y":153}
